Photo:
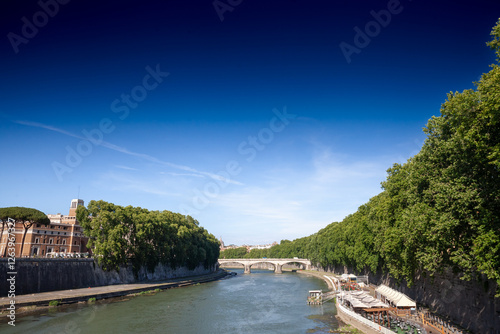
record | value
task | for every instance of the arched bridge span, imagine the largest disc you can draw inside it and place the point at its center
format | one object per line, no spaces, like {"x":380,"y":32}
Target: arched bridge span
{"x":278,"y":263}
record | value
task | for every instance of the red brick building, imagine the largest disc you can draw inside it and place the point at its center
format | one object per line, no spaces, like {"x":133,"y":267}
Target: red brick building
{"x":63,"y":235}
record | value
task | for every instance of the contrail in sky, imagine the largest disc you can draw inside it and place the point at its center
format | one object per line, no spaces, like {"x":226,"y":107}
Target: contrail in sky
{"x":135,"y":154}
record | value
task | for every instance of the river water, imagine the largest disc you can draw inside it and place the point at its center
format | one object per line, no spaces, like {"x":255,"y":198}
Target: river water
{"x":261,"y":302}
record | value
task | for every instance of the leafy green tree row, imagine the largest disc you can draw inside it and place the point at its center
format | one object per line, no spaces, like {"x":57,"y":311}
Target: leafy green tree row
{"x":234,"y":253}
{"x":146,"y":238}
{"x":439,"y":209}
{"x":286,"y":249}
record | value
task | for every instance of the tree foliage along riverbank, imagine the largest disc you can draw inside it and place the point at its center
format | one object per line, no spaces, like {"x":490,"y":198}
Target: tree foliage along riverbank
{"x":146,"y":238}
{"x":439,"y":209}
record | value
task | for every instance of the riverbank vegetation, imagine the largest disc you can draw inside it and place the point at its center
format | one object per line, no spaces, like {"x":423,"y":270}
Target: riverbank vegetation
{"x":145,"y":238}
{"x":439,"y":209}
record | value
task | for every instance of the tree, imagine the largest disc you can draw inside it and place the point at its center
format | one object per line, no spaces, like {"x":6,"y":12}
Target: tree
{"x":26,"y":216}
{"x":146,"y":238}
{"x":439,"y":209}
{"x":234,"y":253}
{"x":3,"y":221}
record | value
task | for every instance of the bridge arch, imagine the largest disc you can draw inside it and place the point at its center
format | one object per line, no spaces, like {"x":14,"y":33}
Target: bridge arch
{"x":264,"y":262}
{"x":305,"y":265}
{"x":233,"y":261}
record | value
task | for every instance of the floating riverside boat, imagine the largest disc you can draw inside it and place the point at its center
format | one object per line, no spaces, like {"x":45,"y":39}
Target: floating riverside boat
{"x":317,"y":297}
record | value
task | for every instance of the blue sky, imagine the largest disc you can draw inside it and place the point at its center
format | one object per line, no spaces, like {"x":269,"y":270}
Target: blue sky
{"x":257,"y":125}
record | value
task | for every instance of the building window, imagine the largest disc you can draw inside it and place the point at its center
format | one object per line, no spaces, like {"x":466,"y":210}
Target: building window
{"x":64,"y":242}
{"x":37,"y":240}
{"x":76,"y":243}
{"x":58,"y":232}
{"x":51,"y":241}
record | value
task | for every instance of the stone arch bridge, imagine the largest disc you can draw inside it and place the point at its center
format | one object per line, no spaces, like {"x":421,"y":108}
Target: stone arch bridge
{"x":277,"y":263}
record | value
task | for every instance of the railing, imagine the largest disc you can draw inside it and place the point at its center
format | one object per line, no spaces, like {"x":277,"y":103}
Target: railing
{"x":364,"y":321}
{"x":334,"y":286}
{"x":67,"y":255}
{"x":439,"y":325}
{"x":263,"y":259}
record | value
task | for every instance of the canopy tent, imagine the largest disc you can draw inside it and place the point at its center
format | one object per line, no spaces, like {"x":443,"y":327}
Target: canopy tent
{"x":397,"y":298}
{"x":360,"y":298}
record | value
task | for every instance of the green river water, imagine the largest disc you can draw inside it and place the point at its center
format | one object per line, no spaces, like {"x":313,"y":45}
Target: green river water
{"x":261,"y":302}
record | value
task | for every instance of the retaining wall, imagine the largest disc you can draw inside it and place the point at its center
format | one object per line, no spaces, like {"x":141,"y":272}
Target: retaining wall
{"x":43,"y":275}
{"x":471,"y":304}
{"x":358,"y":321}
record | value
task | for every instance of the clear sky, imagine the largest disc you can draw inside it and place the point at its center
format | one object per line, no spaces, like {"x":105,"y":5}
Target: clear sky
{"x":264,"y":120}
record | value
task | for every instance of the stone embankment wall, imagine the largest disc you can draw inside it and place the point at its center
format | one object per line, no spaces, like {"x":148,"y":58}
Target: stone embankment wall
{"x":472,"y":304}
{"x":42,"y":275}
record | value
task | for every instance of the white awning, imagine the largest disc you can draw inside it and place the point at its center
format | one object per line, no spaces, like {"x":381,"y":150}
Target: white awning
{"x":355,"y":302}
{"x":364,"y":300}
{"x":397,"y":298}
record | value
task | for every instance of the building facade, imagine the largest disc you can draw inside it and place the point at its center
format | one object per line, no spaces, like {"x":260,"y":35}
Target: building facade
{"x":63,"y":235}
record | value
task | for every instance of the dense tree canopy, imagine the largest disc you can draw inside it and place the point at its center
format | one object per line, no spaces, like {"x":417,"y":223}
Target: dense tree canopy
{"x":439,"y":209}
{"x":146,"y":238}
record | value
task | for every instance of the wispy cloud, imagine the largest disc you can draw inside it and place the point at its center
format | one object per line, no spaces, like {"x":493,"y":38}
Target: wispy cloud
{"x":185,"y":174}
{"x":48,"y":127}
{"x":134,"y":154}
{"x":296,"y":203}
{"x":125,"y":167}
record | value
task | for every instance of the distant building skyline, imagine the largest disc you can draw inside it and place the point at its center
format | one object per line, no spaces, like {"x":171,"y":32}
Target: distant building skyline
{"x":248,"y":247}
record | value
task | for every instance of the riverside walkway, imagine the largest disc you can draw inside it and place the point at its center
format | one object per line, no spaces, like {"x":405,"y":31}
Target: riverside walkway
{"x":103,"y":292}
